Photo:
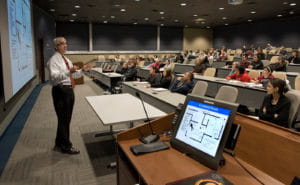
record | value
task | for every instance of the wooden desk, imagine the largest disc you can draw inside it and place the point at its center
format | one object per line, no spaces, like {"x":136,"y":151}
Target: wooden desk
{"x":293,"y":68}
{"x":182,"y":68}
{"x":271,"y":153}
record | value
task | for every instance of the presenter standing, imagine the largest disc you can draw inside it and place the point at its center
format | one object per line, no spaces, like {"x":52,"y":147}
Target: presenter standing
{"x":62,"y":75}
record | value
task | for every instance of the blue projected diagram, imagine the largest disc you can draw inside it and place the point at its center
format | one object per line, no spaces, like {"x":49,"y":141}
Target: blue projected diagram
{"x":20,"y":41}
{"x":202,"y":127}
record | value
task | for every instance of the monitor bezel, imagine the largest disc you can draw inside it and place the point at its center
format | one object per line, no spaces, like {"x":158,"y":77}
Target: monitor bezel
{"x":200,"y":156}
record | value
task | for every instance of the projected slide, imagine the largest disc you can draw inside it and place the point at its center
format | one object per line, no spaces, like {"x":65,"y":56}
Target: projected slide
{"x":20,"y":42}
{"x":202,"y":126}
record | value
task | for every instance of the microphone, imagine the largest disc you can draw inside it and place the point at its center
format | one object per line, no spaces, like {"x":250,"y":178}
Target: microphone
{"x":153,"y":136}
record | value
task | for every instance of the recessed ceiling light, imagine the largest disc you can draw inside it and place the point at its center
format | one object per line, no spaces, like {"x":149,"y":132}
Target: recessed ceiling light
{"x":175,"y":20}
{"x":161,"y":24}
{"x":183,"y":4}
{"x":74,"y":14}
{"x":104,"y":22}
{"x":162,"y":17}
{"x":52,"y":10}
{"x":162,"y":13}
{"x":226,"y":24}
{"x":224,"y":18}
{"x":221,"y":8}
{"x":103,"y":16}
{"x":112,"y":17}
{"x":249,"y":20}
{"x":207,"y":27}
{"x":253,"y":12}
{"x":203,"y":22}
{"x":292,"y":4}
{"x":123,"y":10}
{"x":135,"y":23}
{"x":146,"y":19}
{"x":195,"y":15}
{"x":72,"y":20}
{"x":279,"y":15}
{"x":76,"y":6}
{"x":137,"y":0}
{"x":291,"y":12}
{"x":285,"y":2}
{"x":116,"y":5}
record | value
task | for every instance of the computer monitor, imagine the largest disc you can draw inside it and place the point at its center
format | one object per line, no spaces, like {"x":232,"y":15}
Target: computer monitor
{"x":202,"y":129}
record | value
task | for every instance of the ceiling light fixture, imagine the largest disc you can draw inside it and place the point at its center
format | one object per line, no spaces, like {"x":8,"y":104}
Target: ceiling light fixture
{"x":253,"y":12}
{"x":136,"y":0}
{"x":161,"y":24}
{"x":226,"y":24}
{"x":146,"y":19}
{"x":72,"y":20}
{"x":162,"y":13}
{"x":291,"y":12}
{"x":292,"y":4}
{"x":104,"y":22}
{"x":162,"y":17}
{"x":123,"y":10}
{"x":76,"y":6}
{"x":183,"y":4}
{"x":224,"y":18}
{"x":186,"y":26}
{"x":195,"y":15}
{"x":52,"y":10}
{"x":112,"y":17}
{"x":279,"y":15}
{"x":135,"y":23}
{"x":175,"y":20}
{"x":74,"y":14}
{"x":221,"y":8}
{"x":117,"y":5}
{"x":285,"y":2}
{"x":203,"y":22}
{"x":249,"y":20}
{"x":207,"y":27}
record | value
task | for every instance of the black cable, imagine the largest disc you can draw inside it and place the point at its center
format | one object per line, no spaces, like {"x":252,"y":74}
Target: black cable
{"x":233,"y":155}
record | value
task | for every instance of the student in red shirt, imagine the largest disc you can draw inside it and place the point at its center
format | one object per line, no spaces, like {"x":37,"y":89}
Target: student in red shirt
{"x":266,"y":75}
{"x":240,"y":74}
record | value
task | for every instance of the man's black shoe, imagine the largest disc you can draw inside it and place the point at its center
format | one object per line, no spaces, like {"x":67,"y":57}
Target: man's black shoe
{"x":71,"y":151}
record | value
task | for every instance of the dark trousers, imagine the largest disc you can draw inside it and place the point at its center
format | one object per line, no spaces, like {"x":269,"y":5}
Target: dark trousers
{"x":63,"y":100}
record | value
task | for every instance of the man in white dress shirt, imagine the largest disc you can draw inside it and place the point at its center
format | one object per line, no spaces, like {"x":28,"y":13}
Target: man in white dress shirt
{"x":62,"y":75}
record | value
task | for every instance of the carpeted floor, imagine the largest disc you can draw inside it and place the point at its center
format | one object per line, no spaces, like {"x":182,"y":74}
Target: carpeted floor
{"x":33,"y":161}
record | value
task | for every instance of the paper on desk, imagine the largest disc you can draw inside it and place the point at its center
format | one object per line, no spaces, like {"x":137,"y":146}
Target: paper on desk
{"x":254,"y":85}
{"x":137,"y":82}
{"x":159,"y":89}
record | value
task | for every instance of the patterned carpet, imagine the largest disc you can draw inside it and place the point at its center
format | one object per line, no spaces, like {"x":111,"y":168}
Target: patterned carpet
{"x":33,"y":161}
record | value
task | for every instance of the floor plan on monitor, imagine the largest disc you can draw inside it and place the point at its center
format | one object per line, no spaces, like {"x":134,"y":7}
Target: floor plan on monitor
{"x":202,"y":127}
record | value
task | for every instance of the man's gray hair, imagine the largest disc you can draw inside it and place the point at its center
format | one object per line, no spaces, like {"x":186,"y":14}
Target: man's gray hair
{"x":57,"y":40}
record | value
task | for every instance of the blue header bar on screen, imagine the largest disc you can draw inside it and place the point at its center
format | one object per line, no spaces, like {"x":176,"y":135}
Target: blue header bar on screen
{"x":209,"y":107}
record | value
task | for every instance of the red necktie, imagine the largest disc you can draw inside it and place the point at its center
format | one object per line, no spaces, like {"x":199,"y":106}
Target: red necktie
{"x":68,"y":67}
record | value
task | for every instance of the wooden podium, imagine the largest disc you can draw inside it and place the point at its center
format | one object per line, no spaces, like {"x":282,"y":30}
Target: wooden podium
{"x":269,"y":152}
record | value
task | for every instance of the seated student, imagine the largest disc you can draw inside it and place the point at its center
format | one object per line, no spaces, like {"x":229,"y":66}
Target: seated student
{"x":233,"y":66}
{"x":165,"y":80}
{"x":294,"y":59}
{"x":282,"y":51}
{"x":256,"y":64}
{"x":167,"y":64}
{"x":201,"y":64}
{"x":156,"y":64}
{"x":245,"y":62}
{"x":183,"y":85}
{"x":222,"y":56}
{"x":130,"y":74}
{"x":266,"y":75}
{"x":124,"y":68}
{"x":279,"y":65}
{"x":240,"y":74}
{"x":154,"y":77}
{"x":276,"y":106}
{"x":260,"y":53}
